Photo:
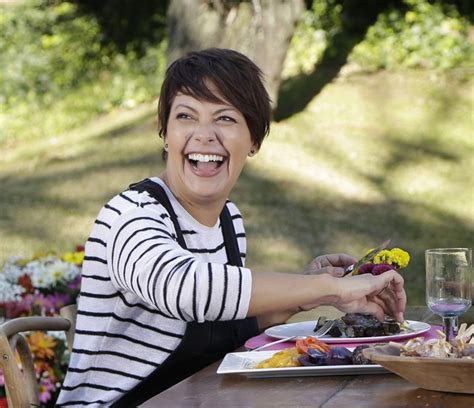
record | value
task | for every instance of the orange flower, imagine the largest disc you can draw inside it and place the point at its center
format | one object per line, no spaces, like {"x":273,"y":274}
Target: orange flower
{"x":42,"y":345}
{"x":25,"y":281}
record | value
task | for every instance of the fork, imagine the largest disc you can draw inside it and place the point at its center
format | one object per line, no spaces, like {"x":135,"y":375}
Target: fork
{"x":318,"y":333}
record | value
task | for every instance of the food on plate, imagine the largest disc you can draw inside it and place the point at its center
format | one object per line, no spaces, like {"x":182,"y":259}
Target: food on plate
{"x":358,"y":355}
{"x":313,"y":352}
{"x":462,"y":346}
{"x":285,"y":358}
{"x":360,"y":325}
{"x":302,"y":345}
{"x":335,"y":356}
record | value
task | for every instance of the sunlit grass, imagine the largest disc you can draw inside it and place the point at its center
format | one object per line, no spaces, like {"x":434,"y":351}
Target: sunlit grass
{"x":371,"y":156}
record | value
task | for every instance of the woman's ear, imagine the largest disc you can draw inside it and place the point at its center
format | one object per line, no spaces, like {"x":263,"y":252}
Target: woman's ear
{"x":253,"y":151}
{"x":165,"y":144}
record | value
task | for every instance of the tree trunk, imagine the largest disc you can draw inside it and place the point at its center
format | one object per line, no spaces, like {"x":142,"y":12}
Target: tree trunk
{"x":260,"y":29}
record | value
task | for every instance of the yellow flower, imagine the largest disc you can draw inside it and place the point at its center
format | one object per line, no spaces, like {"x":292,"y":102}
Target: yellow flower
{"x":383,"y":257}
{"x":42,"y":345}
{"x":74,"y":257}
{"x":396,"y":256}
{"x":400,"y":257}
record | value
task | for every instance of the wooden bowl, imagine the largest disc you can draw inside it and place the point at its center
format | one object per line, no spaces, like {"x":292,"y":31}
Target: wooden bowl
{"x":438,"y":374}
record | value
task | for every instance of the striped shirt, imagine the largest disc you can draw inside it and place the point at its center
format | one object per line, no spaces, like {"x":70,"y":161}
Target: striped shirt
{"x":140,"y":288}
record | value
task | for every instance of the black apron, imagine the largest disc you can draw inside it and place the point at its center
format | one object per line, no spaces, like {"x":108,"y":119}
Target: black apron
{"x":203,"y":343}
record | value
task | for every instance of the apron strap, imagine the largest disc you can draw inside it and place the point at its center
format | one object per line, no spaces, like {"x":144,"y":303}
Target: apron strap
{"x":159,"y":194}
{"x":228,"y":231}
{"x":230,"y":238}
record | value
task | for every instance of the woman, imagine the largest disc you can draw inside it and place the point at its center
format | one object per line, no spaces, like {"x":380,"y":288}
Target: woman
{"x":164,"y":290}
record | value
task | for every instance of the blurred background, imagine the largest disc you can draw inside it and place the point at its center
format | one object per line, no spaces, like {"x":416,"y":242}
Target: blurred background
{"x":372,"y":134}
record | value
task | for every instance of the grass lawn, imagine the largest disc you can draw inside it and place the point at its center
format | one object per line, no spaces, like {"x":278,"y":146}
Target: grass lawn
{"x":370,"y":157}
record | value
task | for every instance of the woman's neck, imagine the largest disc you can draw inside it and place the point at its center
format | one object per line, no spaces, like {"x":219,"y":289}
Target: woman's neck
{"x":206,"y":212}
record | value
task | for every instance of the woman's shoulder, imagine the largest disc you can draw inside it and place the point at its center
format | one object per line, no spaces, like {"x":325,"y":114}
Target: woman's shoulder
{"x":233,"y":209}
{"x":130,"y":203}
{"x":129,"y":200}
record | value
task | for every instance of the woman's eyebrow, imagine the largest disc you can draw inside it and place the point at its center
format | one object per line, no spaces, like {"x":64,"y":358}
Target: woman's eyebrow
{"x":183,"y":105}
{"x":229,"y":108}
{"x":216,"y":112}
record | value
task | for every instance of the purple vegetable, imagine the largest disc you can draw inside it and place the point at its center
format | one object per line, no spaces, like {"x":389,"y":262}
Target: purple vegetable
{"x":335,"y":356}
{"x":305,"y":360}
{"x":317,"y":357}
{"x":339,"y":356}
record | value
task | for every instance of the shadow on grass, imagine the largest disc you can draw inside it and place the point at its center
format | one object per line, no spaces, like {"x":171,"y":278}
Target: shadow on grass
{"x":315,"y":224}
{"x":310,"y":221}
{"x":295,"y":93}
{"x":37,"y":205}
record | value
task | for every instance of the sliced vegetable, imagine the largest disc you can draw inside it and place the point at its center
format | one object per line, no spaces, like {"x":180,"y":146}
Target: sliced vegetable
{"x":317,"y":357}
{"x":339,"y":356}
{"x":311,"y":342}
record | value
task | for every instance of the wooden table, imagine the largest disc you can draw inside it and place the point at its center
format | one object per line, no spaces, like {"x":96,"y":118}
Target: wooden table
{"x":207,"y":389}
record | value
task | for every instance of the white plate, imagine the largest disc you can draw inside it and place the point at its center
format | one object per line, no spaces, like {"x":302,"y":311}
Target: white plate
{"x":303,"y":329}
{"x":243,"y":363}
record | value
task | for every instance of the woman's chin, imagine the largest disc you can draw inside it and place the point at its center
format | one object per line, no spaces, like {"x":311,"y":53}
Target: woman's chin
{"x":209,"y":194}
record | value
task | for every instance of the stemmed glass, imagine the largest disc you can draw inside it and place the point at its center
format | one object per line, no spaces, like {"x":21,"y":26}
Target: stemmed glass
{"x":448,"y":285}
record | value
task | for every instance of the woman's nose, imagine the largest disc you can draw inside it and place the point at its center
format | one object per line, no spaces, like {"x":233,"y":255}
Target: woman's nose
{"x":205,"y":133}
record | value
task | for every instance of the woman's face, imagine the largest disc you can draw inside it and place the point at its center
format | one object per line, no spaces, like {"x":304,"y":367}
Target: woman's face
{"x":207,"y":145}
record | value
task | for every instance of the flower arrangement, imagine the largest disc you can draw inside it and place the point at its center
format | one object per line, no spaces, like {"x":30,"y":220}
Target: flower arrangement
{"x":385,"y":260}
{"x":42,"y":285}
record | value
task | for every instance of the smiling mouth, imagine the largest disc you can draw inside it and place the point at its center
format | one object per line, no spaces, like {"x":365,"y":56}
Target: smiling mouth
{"x":205,"y":164}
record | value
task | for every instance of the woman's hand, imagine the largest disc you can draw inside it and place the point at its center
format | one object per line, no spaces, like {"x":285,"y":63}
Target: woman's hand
{"x":378,"y":295}
{"x":334,"y":264}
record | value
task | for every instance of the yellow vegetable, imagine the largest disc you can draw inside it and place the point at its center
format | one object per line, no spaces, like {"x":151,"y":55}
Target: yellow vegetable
{"x":284,"y":358}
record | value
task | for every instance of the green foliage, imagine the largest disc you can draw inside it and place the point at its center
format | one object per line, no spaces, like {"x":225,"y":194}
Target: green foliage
{"x":318,"y":25}
{"x":426,"y":35}
{"x":407,"y":34}
{"x":132,"y":26}
{"x":56,"y":72}
{"x":45,"y":51}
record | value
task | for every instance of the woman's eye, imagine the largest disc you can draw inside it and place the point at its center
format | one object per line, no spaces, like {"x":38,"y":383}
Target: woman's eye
{"x":226,"y":119}
{"x":183,"y":116}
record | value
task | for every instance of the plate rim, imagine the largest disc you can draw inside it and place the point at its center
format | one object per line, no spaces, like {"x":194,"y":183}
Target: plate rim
{"x":346,"y":340}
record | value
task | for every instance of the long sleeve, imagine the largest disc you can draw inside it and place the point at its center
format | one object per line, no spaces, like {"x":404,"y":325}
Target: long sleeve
{"x":144,"y":257}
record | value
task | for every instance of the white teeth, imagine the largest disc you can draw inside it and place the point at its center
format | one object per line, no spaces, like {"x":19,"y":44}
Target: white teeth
{"x":205,"y":157}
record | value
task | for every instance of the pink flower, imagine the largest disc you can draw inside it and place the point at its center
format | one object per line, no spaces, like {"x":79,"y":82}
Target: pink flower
{"x":46,"y":389}
{"x":58,"y":300}
{"x":381,"y":268}
{"x":75,"y":284}
{"x":366,"y":268}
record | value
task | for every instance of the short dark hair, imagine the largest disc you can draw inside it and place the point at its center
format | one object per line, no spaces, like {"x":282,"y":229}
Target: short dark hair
{"x":237,"y":78}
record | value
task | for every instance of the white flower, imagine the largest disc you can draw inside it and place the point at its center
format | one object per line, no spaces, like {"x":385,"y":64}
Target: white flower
{"x":9,"y":288}
{"x":47,"y":272}
{"x":9,"y":291}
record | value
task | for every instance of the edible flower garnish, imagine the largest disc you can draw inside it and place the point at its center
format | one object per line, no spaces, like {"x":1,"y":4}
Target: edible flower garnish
{"x":385,"y":260}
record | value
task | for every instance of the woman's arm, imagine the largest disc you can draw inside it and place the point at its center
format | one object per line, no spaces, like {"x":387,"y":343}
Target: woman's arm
{"x":272,"y":292}
{"x":272,"y":319}
{"x":277,"y":292}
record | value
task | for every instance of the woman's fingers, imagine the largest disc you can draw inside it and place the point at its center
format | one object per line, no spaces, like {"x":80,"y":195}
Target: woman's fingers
{"x":387,"y":301}
{"x":342,"y":260}
{"x":394,"y":295}
{"x":331,"y":270}
{"x":375,"y":309}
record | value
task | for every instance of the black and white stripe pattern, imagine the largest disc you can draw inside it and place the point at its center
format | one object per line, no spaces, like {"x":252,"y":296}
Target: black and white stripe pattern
{"x":139,"y":288}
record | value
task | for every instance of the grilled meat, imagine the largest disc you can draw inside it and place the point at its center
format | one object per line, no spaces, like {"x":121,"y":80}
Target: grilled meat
{"x":361,"y":325}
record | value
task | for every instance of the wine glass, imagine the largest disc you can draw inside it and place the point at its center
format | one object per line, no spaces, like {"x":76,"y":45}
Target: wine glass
{"x":448,"y":285}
